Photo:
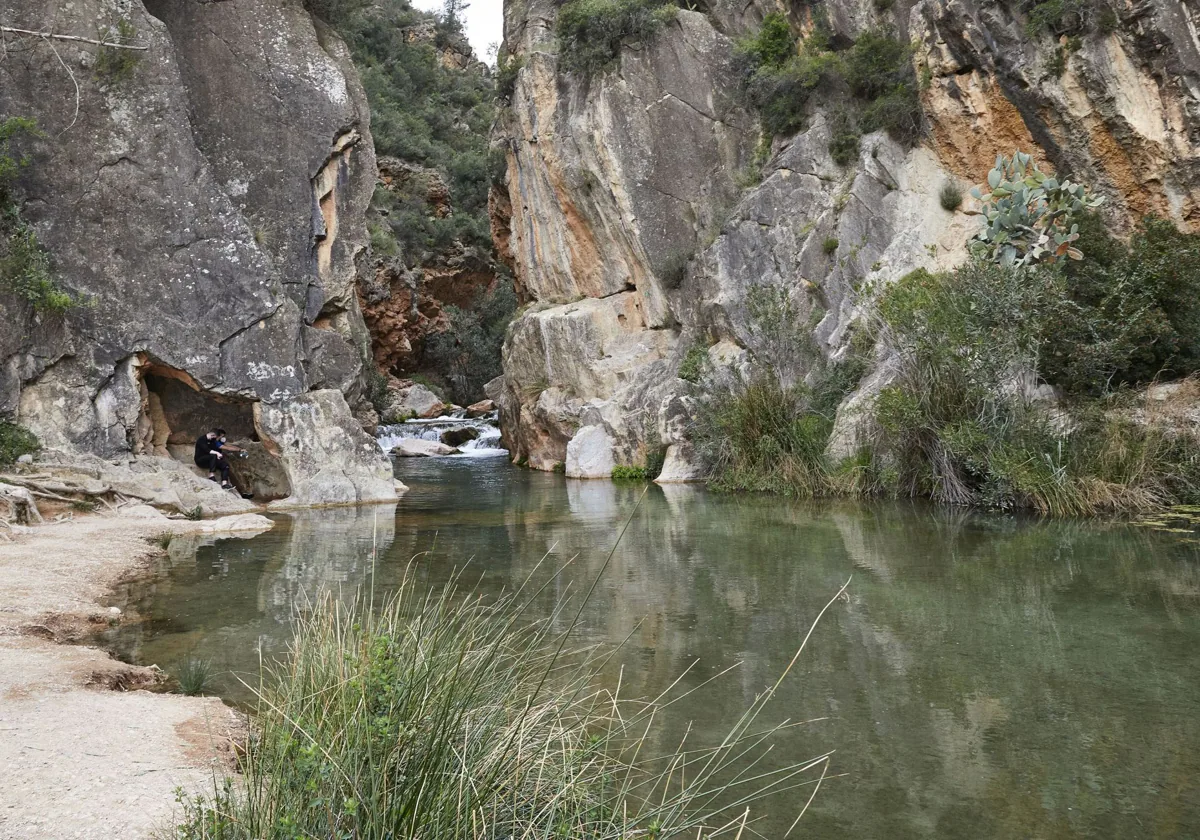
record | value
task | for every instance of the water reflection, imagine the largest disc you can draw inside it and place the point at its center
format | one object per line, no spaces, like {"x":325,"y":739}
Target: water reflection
{"x":987,"y":678}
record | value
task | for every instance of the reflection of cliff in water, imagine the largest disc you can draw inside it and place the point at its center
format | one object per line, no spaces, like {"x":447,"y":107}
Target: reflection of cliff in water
{"x":987,"y":677}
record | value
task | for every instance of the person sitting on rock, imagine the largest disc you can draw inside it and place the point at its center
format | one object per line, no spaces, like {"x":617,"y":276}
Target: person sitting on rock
{"x":211,"y":450}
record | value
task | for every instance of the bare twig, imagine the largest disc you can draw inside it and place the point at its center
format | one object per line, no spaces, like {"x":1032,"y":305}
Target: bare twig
{"x":74,"y":81}
{"x":114,"y":44}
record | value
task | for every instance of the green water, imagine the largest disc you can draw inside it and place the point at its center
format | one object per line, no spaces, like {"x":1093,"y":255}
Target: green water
{"x":986,"y":678}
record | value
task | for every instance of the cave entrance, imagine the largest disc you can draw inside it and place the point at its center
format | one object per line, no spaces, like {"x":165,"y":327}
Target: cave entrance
{"x":176,"y":411}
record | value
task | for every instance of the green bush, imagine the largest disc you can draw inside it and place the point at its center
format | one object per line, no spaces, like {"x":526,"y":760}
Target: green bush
{"x":468,"y":353}
{"x":15,"y":441}
{"x":591,"y":32}
{"x":622,"y":472}
{"x":691,"y":369}
{"x":25,"y":268}
{"x":1129,"y":314}
{"x":876,"y":64}
{"x":194,"y":676}
{"x":336,"y":13}
{"x":874,"y":79}
{"x":507,"y":70}
{"x":953,"y":427}
{"x":829,"y":246}
{"x":113,"y":64}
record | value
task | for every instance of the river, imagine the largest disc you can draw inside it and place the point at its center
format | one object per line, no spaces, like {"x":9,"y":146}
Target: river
{"x":986,"y":677}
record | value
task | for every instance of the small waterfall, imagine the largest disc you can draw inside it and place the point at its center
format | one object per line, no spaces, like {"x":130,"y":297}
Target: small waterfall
{"x":486,"y":444}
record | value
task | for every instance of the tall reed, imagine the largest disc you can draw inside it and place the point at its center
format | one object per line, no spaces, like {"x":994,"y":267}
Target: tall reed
{"x":446,"y":716}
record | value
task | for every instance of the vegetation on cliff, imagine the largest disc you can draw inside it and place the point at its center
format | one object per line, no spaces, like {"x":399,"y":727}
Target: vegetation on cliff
{"x":25,"y":268}
{"x":445,"y":716}
{"x":432,"y":106}
{"x":872,"y":81}
{"x":967,"y":419}
{"x":591,"y":32}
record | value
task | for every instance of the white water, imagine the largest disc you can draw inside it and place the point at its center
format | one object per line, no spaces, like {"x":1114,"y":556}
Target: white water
{"x":487,"y":445}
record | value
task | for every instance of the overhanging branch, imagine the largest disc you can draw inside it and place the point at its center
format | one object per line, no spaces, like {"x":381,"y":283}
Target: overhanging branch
{"x":115,"y":45}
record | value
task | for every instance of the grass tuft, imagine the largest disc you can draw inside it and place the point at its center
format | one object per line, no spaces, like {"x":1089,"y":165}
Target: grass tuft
{"x":194,"y":514}
{"x":443,"y":716}
{"x":194,"y":676}
{"x":950,"y":197}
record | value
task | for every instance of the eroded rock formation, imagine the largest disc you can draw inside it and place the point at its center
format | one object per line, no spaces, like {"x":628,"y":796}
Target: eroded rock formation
{"x":204,"y":200}
{"x":629,"y":232}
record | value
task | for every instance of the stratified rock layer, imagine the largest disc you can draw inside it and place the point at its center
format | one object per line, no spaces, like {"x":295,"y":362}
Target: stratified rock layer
{"x":205,"y":204}
{"x":626,"y":226}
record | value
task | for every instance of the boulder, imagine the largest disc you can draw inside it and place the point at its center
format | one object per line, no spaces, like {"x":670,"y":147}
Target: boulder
{"x":261,"y":473}
{"x":590,"y":454}
{"x":329,"y":459}
{"x":680,"y":465}
{"x":240,"y":523}
{"x":481,"y":408}
{"x":459,"y":436}
{"x":417,"y":448}
{"x":413,"y":401}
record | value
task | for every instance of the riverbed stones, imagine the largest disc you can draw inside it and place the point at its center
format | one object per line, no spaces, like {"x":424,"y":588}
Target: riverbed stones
{"x":413,"y":400}
{"x":590,"y":454}
{"x":459,"y":436}
{"x":480,"y":409}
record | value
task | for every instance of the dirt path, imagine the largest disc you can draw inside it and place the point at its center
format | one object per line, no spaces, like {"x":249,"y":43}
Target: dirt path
{"x":80,"y":754}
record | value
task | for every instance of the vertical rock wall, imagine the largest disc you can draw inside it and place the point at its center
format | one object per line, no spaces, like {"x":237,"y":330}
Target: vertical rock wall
{"x":205,"y":205}
{"x":630,"y":236}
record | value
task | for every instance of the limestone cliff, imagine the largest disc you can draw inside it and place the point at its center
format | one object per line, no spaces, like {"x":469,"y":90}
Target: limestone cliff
{"x":203,"y":198}
{"x":633,"y":231}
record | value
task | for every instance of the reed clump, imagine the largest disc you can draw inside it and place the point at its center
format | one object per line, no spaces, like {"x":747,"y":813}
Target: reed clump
{"x":444,"y":716}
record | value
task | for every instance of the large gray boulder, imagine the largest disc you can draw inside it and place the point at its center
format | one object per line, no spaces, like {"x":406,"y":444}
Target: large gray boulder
{"x":328,"y":457}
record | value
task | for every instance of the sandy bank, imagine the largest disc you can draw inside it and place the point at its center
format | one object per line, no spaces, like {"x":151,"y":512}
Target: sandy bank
{"x":85,"y":754}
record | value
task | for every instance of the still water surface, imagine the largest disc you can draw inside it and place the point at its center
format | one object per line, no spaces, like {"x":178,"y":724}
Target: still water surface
{"x":987,"y":678}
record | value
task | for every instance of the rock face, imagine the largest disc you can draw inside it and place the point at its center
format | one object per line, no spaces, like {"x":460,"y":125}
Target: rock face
{"x":626,"y":227}
{"x":204,"y":199}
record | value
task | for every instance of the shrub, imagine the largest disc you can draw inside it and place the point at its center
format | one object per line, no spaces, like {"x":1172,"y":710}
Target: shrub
{"x":336,"y":13}
{"x":507,"y":70}
{"x":622,"y":472}
{"x":772,"y":46}
{"x":468,"y":353}
{"x":25,"y":269}
{"x":15,"y":441}
{"x":829,"y":246}
{"x":956,"y":428}
{"x":875,"y":77}
{"x":194,"y":514}
{"x":876,"y":64}
{"x":444,"y":716}
{"x":898,"y":112}
{"x":114,"y":64}
{"x":693,"y":364}
{"x":655,"y":459}
{"x":1129,"y":314}
{"x":591,"y":32}
{"x":950,"y":196}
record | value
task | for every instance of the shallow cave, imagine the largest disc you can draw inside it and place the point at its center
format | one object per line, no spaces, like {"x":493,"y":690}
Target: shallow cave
{"x":176,"y":411}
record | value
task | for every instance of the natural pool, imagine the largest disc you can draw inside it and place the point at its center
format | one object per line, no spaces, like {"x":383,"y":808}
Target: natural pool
{"x":988,"y":677}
